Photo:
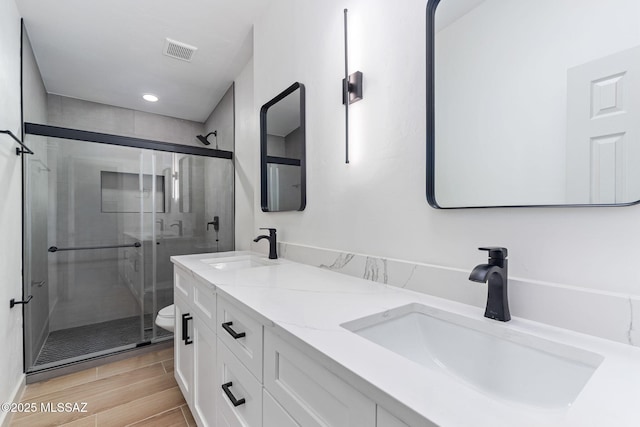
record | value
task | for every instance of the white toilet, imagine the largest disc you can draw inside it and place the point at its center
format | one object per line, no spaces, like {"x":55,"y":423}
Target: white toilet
{"x":166,"y":318}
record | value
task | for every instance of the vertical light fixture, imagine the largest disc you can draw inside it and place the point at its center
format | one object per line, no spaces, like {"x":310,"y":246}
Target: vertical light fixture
{"x":175,"y":176}
{"x":351,"y":86}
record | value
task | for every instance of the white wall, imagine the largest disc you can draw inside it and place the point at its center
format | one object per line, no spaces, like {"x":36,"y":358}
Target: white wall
{"x":10,"y":207}
{"x":221,"y":120}
{"x":247,"y":149}
{"x":376,"y":205}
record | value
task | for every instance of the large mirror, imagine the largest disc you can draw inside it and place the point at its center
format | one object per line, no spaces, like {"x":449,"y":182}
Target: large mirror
{"x":533,"y":102}
{"x":282,"y":151}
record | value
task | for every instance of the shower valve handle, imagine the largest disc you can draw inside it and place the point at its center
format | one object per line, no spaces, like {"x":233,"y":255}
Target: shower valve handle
{"x":215,"y":223}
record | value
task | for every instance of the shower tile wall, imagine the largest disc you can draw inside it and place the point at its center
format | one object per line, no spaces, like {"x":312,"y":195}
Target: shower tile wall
{"x":91,"y":116}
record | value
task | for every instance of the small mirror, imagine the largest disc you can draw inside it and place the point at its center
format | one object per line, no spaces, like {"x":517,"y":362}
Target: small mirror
{"x":533,"y":103}
{"x":282,"y":151}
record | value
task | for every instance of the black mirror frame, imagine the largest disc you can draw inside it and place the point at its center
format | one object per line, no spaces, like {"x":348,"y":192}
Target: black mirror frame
{"x":430,"y":122}
{"x":263,"y":147}
{"x":431,"y":189}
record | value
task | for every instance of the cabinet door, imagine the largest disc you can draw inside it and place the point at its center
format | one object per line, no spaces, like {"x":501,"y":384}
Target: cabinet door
{"x":311,"y":394}
{"x":204,"y":374}
{"x":183,"y":348}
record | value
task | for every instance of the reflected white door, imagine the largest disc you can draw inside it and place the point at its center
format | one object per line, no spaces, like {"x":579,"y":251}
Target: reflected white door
{"x":603,"y":128}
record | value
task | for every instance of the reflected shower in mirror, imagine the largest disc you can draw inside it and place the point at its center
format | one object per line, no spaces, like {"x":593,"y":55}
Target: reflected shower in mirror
{"x":533,"y":103}
{"x":282,"y":151}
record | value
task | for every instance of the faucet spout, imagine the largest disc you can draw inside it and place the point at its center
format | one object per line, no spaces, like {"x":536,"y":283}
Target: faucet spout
{"x":273,"y":253}
{"x":495,"y":274}
{"x":481,"y":273}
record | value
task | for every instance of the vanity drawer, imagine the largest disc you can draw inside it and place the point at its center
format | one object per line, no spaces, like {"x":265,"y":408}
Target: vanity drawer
{"x":242,"y":334}
{"x":182,"y":284}
{"x":241,"y":384}
{"x":311,"y":394}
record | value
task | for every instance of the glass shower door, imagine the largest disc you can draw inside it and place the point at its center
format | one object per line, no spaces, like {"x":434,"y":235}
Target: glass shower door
{"x":85,"y":217}
{"x":101,"y":223}
{"x":197,"y":218}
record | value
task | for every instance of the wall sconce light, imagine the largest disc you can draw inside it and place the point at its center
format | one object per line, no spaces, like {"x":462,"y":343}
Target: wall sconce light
{"x":351,"y":87}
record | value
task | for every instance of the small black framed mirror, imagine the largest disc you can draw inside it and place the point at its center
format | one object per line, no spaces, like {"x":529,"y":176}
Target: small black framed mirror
{"x":282,"y":151}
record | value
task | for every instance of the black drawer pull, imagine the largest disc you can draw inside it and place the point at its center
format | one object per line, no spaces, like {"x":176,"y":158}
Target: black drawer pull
{"x":227,"y":327}
{"x":185,"y":329}
{"x":232,"y":398}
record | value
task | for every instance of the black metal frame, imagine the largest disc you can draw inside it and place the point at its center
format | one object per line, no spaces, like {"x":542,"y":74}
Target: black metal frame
{"x":264,"y":158}
{"x":283,"y":161}
{"x":125,"y":141}
{"x":431,"y":196}
{"x":23,"y":168}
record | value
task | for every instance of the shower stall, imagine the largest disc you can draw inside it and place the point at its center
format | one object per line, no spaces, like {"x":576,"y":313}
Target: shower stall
{"x":102,"y":216}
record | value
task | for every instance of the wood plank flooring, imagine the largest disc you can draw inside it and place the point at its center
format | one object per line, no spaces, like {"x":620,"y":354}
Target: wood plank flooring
{"x":139,"y":391}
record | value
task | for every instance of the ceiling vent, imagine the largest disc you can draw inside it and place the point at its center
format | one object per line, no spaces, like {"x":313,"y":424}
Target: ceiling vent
{"x":179,"y":50}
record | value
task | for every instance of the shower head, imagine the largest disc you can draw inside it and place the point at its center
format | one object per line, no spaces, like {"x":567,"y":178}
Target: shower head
{"x":203,"y":139}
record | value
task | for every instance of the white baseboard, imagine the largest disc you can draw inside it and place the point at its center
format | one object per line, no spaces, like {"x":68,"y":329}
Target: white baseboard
{"x":5,"y":417}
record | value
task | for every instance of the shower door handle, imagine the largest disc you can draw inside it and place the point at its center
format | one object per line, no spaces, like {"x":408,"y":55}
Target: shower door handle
{"x":185,"y":328}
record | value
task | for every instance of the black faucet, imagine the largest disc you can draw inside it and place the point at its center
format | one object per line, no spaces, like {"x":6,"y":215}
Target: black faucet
{"x":273,"y":254}
{"x":495,"y":272}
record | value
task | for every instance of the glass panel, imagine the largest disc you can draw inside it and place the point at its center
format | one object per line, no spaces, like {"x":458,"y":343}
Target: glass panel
{"x":86,"y":298}
{"x":198,"y":219}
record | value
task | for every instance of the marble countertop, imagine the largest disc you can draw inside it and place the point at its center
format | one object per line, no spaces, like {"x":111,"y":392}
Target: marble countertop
{"x":308,"y":304}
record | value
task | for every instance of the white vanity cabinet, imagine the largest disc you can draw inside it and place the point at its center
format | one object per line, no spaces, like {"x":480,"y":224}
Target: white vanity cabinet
{"x":236,"y":370}
{"x":195,"y":346}
{"x":308,"y":392}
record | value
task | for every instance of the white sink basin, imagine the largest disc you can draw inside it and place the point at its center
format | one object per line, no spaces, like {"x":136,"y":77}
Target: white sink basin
{"x":483,"y":353}
{"x":238,"y":262}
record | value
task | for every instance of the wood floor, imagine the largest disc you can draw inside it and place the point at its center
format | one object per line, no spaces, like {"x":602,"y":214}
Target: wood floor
{"x":139,"y":391}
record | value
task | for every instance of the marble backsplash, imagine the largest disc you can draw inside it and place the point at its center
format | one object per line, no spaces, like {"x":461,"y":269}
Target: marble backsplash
{"x":608,"y":315}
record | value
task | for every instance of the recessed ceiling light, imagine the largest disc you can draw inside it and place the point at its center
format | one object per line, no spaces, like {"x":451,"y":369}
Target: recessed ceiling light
{"x":149,"y":97}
